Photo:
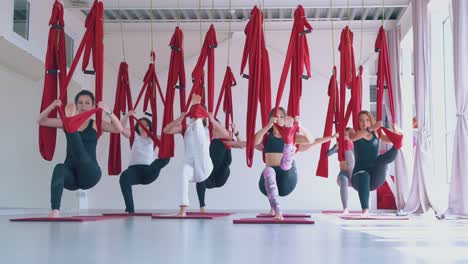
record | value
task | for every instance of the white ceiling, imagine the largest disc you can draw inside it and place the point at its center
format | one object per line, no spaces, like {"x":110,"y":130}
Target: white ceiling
{"x":238,"y":3}
{"x":137,"y":14}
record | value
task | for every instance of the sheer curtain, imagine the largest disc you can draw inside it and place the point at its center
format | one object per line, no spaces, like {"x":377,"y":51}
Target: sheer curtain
{"x":458,"y":196}
{"x":402,"y":171}
{"x":419,"y":200}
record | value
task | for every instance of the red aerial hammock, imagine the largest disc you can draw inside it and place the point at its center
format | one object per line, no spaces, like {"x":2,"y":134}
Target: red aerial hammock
{"x":352,"y":81}
{"x":176,"y":74}
{"x":355,"y":103}
{"x":347,"y":75}
{"x":259,"y":88}
{"x":123,"y":103}
{"x":297,"y":57}
{"x":198,"y":76}
{"x":383,"y":74}
{"x":226,"y":93}
{"x":55,"y":64}
{"x":150,"y":83}
{"x":333,"y":112}
{"x":91,"y":44}
{"x":332,"y":115}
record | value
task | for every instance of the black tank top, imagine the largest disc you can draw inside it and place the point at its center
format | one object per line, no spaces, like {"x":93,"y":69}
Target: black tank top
{"x":365,"y":152}
{"x":273,"y":144}
{"x":89,"y":137}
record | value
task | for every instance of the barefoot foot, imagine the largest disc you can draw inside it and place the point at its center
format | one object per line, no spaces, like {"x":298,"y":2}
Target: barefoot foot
{"x":365,"y":213}
{"x":278,"y":216}
{"x":54,"y":213}
{"x":182,"y":211}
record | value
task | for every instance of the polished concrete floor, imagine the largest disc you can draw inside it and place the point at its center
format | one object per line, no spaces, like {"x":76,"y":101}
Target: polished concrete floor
{"x":143,"y":240}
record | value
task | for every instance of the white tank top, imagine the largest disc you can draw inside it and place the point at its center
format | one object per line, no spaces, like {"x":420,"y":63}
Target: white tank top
{"x":142,"y":151}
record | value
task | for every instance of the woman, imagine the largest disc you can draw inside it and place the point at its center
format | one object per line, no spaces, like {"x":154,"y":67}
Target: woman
{"x":80,"y":169}
{"x":142,"y":168}
{"x":370,"y":168}
{"x":220,"y":153}
{"x":279,"y":178}
{"x":197,"y":161}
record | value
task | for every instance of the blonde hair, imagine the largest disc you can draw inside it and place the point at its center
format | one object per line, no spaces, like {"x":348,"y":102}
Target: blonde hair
{"x":369,"y":115}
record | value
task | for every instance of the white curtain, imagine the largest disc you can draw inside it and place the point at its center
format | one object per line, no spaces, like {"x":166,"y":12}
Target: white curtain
{"x":403,"y":120}
{"x":419,"y":201}
{"x":458,"y":196}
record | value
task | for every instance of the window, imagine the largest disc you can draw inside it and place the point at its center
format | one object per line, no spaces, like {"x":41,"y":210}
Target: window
{"x":69,"y":46}
{"x":21,"y":18}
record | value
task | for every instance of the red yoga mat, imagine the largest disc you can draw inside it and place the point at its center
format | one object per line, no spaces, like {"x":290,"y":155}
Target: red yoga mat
{"x":213,"y":214}
{"x":87,"y":218}
{"x":264,"y":220}
{"x":266,"y":215}
{"x":128,"y":214}
{"x":372,"y":217}
{"x":193,"y":216}
{"x":338,"y":212}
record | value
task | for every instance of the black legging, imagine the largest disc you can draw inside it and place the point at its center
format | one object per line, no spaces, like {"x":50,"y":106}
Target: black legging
{"x":365,"y":181}
{"x":221,"y":158}
{"x":81,"y":172}
{"x":139,"y":174}
{"x":285,"y":180}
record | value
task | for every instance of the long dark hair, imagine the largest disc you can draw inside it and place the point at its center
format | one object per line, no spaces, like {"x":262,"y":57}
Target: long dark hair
{"x":137,"y":127}
{"x":205,"y":121}
{"x":85,"y":93}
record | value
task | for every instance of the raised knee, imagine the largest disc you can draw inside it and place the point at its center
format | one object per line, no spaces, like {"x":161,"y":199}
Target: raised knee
{"x":60,"y":168}
{"x":268,"y":172}
{"x":59,"y":174}
{"x":124,"y":178}
{"x":342,"y":180}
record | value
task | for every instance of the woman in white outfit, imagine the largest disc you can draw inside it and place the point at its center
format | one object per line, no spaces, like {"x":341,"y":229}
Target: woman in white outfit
{"x":197,"y":161}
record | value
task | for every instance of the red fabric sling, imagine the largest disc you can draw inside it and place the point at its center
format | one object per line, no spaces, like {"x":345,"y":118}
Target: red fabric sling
{"x":297,"y":57}
{"x":150,"y":88}
{"x":72,"y":124}
{"x":198,"y":76}
{"x":259,"y":88}
{"x":197,"y":111}
{"x":356,"y":100}
{"x":152,"y":135}
{"x":123,"y":103}
{"x":288,"y":133}
{"x":347,"y":75}
{"x":55,"y":74}
{"x":383,"y":75}
{"x":332,"y":116}
{"x":226,"y":94}
{"x":176,"y":74}
{"x":91,"y":44}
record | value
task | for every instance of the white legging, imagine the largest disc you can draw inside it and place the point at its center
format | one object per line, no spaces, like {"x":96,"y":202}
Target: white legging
{"x":197,"y":165}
